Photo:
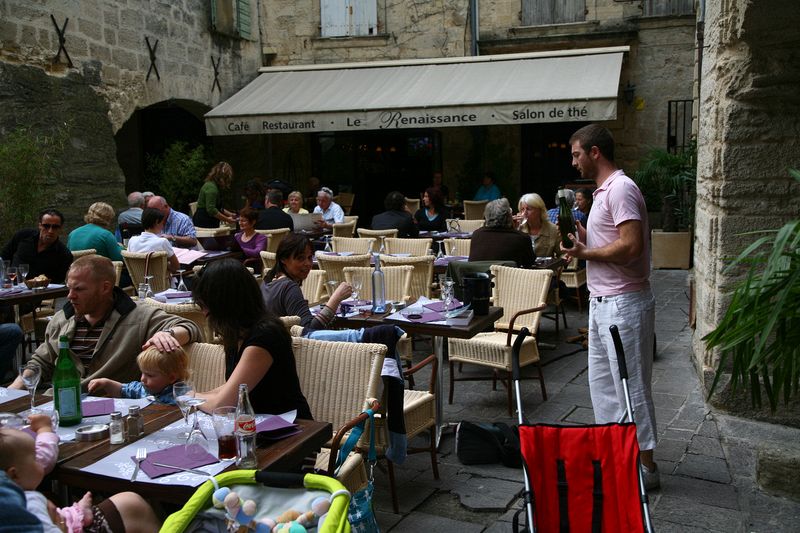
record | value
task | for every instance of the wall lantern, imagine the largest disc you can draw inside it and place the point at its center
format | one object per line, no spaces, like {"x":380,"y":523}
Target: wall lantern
{"x":628,"y":93}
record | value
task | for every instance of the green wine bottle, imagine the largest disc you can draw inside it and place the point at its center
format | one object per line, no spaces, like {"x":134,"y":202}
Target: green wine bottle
{"x":566,"y":223}
{"x":67,"y":386}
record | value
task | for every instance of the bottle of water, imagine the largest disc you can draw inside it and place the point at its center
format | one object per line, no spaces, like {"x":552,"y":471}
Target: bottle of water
{"x":246,"y":430}
{"x":378,"y":288}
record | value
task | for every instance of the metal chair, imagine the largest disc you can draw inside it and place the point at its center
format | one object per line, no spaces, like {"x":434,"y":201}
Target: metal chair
{"x":415,"y":247}
{"x":352,"y":244}
{"x":473,"y":209}
{"x":522,"y":294}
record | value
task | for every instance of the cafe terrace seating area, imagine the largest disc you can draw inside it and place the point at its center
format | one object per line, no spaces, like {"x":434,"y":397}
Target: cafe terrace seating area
{"x":443,"y":353}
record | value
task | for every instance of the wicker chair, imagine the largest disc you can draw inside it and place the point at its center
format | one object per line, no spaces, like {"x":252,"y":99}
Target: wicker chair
{"x":408,"y":246}
{"x":412,"y":204}
{"x":422,"y":275}
{"x":352,"y":245}
{"x":345,"y":201}
{"x":464,"y":226}
{"x":473,"y":209}
{"x":459,"y":246}
{"x":192,"y":208}
{"x":398,"y":281}
{"x":212,"y":232}
{"x":574,"y":277}
{"x":352,"y":375}
{"x":190,"y":311}
{"x":345,"y":229}
{"x":333,"y":265}
{"x":290,"y":321}
{"x":206,"y":365}
{"x":554,"y":300}
{"x":274,"y":237}
{"x":377,"y":234}
{"x":516,"y":290}
{"x":139,"y":267}
{"x":313,"y":287}
{"x":80,"y":253}
{"x":267,"y":261}
{"x":351,"y":218}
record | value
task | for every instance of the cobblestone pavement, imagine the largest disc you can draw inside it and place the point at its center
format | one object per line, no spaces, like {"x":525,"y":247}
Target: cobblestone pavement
{"x":708,"y":460}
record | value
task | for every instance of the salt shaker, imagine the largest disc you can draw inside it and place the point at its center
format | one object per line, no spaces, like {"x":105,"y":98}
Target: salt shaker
{"x":134,"y":422}
{"x":116,"y":428}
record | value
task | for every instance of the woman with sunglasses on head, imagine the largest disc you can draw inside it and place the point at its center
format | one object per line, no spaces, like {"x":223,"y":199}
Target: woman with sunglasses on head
{"x":258,"y":349}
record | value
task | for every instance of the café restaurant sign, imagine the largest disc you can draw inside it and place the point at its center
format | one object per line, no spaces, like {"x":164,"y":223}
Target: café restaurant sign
{"x":505,"y":90}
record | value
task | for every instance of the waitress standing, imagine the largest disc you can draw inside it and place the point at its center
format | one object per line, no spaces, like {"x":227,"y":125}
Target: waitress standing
{"x":209,"y":202}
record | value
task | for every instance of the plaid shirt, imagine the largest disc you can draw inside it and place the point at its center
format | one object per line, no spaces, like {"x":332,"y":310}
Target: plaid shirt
{"x":552,"y":214}
{"x":179,"y":224}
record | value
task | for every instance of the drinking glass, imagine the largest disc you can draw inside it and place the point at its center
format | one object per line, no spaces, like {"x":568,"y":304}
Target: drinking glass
{"x":181,"y":284}
{"x":356,"y":283}
{"x":224,"y":419}
{"x":149,"y":286}
{"x":440,"y":249}
{"x":11,"y":272}
{"x":196,"y":442}
{"x":30,"y":377}
{"x":328,"y":243}
{"x":447,"y":292}
{"x":142,"y":291}
{"x":331,"y":286}
{"x":183,"y":391}
{"x":23,"y":270}
{"x":453,"y":248}
{"x":383,"y":245}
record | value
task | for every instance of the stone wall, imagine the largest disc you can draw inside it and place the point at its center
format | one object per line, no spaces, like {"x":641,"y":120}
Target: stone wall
{"x":749,"y":134}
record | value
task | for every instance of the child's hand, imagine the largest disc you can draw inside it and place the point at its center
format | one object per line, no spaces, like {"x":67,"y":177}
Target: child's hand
{"x":41,"y":423}
{"x":98,"y":384}
{"x":86,"y":504}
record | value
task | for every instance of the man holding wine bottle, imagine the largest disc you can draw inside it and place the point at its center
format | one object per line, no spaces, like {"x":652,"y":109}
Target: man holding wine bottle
{"x":615,"y":247}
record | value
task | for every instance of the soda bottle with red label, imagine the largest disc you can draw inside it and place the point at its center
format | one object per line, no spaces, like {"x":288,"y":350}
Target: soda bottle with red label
{"x":245,"y":430}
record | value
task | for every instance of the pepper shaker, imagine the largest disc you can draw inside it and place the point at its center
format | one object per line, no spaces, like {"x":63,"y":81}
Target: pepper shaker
{"x":116,"y":428}
{"x":134,"y":423}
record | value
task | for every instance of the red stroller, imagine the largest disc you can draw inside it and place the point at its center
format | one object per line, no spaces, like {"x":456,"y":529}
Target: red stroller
{"x":581,"y":478}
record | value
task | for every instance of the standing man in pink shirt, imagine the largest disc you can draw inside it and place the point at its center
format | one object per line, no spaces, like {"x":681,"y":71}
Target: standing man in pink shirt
{"x":617,"y":253}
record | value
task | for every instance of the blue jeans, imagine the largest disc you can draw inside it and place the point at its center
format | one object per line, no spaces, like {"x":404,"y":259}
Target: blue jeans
{"x":10,"y":337}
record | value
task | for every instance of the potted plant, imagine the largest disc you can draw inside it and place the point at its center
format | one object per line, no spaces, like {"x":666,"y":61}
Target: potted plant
{"x":667,"y":182}
{"x":759,"y":335}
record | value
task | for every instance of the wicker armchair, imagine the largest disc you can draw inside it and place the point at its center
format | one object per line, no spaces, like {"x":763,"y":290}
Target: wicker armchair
{"x":473,"y":209}
{"x":333,"y":265}
{"x":212,"y":232}
{"x":352,"y":245}
{"x":139,"y":266}
{"x":377,"y":234}
{"x":190,"y":311}
{"x":412,"y":204}
{"x":345,"y":229}
{"x":352,"y":375}
{"x":408,"y":246}
{"x":267,"y":261}
{"x":313,"y":287}
{"x":398,"y":281}
{"x":554,"y":300}
{"x":457,"y":246}
{"x":464,"y":226}
{"x":421,"y":276}
{"x":80,"y":253}
{"x":522,"y":294}
{"x":206,"y":365}
{"x":274,"y":237}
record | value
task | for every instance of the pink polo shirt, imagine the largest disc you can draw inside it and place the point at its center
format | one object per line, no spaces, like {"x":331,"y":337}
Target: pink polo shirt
{"x":616,"y":201}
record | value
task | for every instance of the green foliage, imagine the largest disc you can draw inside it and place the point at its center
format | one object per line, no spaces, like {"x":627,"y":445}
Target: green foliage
{"x":177,"y":174}
{"x":760,"y":332}
{"x":667,"y":182}
{"x":27,"y":160}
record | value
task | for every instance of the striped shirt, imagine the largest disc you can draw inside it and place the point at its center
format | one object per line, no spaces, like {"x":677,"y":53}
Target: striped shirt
{"x":85,"y":340}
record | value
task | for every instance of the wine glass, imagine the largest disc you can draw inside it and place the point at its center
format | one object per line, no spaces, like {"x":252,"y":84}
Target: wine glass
{"x":181,"y":284}
{"x":453,"y":248}
{"x":356,"y":283}
{"x":382,"y":249}
{"x":327,"y":243}
{"x":447,"y":292}
{"x":331,"y":286}
{"x":23,"y":270}
{"x":30,"y":377}
{"x":196,"y":442}
{"x":440,"y":250}
{"x":183,"y":391}
{"x":12,"y":275}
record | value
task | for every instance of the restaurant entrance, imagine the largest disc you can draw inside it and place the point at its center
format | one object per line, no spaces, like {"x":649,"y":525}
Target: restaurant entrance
{"x":546,"y":160}
{"x":372,"y":164}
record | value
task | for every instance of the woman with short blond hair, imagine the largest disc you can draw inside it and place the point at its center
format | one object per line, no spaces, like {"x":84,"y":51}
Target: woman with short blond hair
{"x":97,"y":232}
{"x":535,"y":223}
{"x":295,"y":201}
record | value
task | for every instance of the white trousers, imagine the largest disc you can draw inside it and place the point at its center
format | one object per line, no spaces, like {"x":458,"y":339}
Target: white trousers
{"x":634,"y":315}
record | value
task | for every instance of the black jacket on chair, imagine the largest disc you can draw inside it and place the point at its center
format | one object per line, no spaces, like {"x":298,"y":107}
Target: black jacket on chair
{"x":399,"y":220}
{"x":274,"y":218}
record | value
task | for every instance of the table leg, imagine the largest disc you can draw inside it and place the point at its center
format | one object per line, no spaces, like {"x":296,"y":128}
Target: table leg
{"x":438,"y":351}
{"x":19,"y":359}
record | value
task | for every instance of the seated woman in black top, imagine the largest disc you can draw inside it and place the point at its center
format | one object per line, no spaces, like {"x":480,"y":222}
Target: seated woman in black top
{"x":433,"y":215}
{"x":258,"y":349}
{"x":396,"y":216}
{"x":497,"y":239}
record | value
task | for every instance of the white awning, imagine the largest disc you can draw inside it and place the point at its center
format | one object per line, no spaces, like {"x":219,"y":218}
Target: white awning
{"x":567,"y":86}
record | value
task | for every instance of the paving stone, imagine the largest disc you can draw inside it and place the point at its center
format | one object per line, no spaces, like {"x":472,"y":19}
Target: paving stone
{"x":580,"y":415}
{"x":701,"y":445}
{"x":678,"y":434}
{"x":700,"y":491}
{"x":663,"y":526}
{"x":704,"y":467}
{"x":772,"y":513}
{"x":778,"y":471}
{"x":668,"y":400}
{"x":689,"y":513}
{"x":417,"y":522}
{"x":387,"y":520}
{"x":670,"y":450}
{"x":709,"y":428}
{"x":741,"y":460}
{"x":488,"y":494}
{"x":409,"y":496}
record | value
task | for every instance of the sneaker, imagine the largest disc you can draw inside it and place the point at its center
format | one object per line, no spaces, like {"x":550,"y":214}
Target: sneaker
{"x":652,"y":479}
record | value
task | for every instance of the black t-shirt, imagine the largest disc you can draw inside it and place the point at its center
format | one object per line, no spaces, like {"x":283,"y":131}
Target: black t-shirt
{"x":53,"y":261}
{"x":439,"y":223}
{"x":399,"y":220}
{"x":279,"y":390}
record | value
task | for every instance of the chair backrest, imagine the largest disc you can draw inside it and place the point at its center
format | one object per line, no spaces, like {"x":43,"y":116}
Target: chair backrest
{"x":345,"y":200}
{"x":118,"y":266}
{"x":290,"y":321}
{"x":352,"y":245}
{"x":352,"y":374}
{"x":313,"y":287}
{"x":80,"y":253}
{"x":206,"y":365}
{"x":189,"y":311}
{"x":267,"y":261}
{"x":421,"y":276}
{"x":212,"y":232}
{"x":274,"y":237}
{"x":397,"y":281}
{"x":457,"y":246}
{"x":516,"y":289}
{"x":192,"y":208}
{"x":333,"y":265}
{"x":465,"y":226}
{"x":473,"y":209}
{"x":376,"y":233}
{"x":412,"y":204}
{"x":408,"y":246}
{"x":458,"y":269}
{"x":138,"y":267}
{"x":351,"y":218}
{"x":345,"y":229}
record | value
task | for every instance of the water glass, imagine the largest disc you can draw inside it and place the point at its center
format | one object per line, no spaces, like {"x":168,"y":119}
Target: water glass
{"x":224,"y":419}
{"x":30,"y":377}
{"x":356,"y":283}
{"x":181,"y":284}
{"x":23,"y":270}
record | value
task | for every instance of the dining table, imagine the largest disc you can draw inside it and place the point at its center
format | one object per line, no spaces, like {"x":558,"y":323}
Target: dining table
{"x":21,"y":295}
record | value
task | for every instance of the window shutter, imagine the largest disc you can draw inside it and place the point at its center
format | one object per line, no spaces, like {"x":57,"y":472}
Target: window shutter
{"x":543,"y":12}
{"x":243,"y":19}
{"x":365,"y":16}
{"x":334,"y":15}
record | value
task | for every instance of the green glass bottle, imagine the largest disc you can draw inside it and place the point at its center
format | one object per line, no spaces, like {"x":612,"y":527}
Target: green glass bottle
{"x":566,"y":222}
{"x":67,"y":386}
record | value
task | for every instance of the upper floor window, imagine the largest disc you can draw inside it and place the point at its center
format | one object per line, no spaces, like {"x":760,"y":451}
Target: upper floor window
{"x":661,"y":8}
{"x":232,"y":17}
{"x":543,"y":12}
{"x":348,"y":18}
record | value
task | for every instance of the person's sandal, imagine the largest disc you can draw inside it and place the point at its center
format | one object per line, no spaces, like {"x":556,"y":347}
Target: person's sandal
{"x":652,"y":479}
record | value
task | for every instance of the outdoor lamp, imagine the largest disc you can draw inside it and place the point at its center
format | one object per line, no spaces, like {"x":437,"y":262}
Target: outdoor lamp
{"x":628,"y":93}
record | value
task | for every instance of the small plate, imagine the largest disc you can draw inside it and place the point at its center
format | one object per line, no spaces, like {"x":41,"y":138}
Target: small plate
{"x":91,"y":432}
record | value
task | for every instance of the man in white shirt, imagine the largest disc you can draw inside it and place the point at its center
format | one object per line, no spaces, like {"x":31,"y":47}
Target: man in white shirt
{"x":332,"y":213}
{"x":149,"y":241}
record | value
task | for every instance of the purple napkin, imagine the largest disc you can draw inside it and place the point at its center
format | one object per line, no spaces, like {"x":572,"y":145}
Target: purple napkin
{"x":9,"y":292}
{"x":97,"y":407}
{"x":175,"y":456}
{"x":276,"y":428}
{"x":439,"y":306}
{"x":185,"y":294}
